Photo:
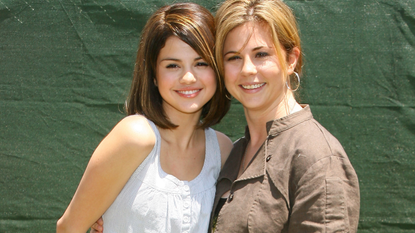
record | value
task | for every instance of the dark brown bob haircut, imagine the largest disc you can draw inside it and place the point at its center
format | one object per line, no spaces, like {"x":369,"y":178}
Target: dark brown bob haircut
{"x":195,"y":26}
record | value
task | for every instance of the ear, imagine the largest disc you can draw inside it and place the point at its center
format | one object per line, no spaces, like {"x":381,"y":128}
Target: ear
{"x":155,"y":82}
{"x":292,"y":60}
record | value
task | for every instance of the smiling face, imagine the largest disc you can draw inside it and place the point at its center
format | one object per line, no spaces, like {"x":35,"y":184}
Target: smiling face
{"x":185,"y":81}
{"x":253,"y":73}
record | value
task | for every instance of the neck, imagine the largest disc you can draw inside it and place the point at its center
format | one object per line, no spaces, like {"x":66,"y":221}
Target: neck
{"x":186,"y":131}
{"x":182,"y":138}
{"x":257,"y":119}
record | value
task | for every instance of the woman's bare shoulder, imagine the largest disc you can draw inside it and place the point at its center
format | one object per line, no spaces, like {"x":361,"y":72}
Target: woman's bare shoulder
{"x":135,"y":130}
{"x":225,"y":144}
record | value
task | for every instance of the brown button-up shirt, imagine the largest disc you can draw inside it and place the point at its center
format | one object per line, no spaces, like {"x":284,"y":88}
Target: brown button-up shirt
{"x":300,"y":180}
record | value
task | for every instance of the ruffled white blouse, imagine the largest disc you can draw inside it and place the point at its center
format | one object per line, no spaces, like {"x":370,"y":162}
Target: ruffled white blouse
{"x":154,"y":201}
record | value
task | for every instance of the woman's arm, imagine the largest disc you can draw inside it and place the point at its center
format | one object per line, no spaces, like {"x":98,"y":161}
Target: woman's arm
{"x":110,"y":167}
{"x":326,"y":198}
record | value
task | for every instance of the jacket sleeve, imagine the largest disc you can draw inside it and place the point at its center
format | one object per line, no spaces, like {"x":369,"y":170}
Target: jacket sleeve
{"x":326,"y":198}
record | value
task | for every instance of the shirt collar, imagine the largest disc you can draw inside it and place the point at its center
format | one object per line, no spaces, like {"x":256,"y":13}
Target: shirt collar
{"x":257,"y":167}
{"x":277,"y":126}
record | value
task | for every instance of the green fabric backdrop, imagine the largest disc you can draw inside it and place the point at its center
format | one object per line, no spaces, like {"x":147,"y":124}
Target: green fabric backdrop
{"x":66,"y":67}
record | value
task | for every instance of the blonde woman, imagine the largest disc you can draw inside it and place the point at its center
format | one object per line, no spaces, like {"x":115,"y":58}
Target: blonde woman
{"x":288,"y":174}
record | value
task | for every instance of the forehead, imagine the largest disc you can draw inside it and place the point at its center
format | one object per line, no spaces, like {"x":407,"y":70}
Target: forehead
{"x":175,"y":47}
{"x":249,"y":35}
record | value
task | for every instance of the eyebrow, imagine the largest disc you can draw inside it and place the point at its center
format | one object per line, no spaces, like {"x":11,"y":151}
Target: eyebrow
{"x":258,"y":48}
{"x":230,"y":52}
{"x":175,"y":59}
{"x":254,"y":49}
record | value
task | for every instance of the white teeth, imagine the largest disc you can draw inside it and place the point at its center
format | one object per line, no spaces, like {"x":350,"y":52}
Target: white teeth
{"x":253,"y":86}
{"x":188,"y":92}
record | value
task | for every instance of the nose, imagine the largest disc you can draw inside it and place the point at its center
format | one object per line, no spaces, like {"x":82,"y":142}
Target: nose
{"x":248,"y":67}
{"x":188,"y":78}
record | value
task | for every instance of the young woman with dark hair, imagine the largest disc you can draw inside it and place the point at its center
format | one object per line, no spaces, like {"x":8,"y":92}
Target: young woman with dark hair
{"x":156,"y":170}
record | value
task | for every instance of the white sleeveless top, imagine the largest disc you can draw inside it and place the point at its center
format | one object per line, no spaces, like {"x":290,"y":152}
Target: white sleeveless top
{"x":154,"y":201}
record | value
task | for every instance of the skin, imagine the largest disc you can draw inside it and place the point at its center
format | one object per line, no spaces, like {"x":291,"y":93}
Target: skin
{"x":186,"y":84}
{"x":196,"y":84}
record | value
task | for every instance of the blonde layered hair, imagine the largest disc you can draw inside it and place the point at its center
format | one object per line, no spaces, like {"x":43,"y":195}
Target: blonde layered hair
{"x":195,"y":26}
{"x":273,"y":13}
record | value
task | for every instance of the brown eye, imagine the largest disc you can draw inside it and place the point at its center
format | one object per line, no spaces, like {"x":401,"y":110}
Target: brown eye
{"x":232,"y":58}
{"x":261,"y":54}
{"x":172,"y":66}
{"x":202,"y":64}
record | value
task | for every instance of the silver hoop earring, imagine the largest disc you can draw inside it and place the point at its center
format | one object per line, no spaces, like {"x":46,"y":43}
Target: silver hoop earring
{"x":298,"y":81}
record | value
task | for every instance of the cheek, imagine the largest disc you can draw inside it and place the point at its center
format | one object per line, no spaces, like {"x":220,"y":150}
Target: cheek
{"x":271,"y":69}
{"x":230,"y":75}
{"x":228,"y":87}
{"x":209,"y":77}
{"x":212,"y":82}
{"x":164,"y":82}
{"x":160,"y":76}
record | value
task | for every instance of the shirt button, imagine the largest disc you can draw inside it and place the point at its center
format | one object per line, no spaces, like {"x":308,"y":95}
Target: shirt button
{"x":230,"y":198}
{"x":186,"y":219}
{"x":186,"y":204}
{"x":268,"y":158}
{"x":186,"y":188}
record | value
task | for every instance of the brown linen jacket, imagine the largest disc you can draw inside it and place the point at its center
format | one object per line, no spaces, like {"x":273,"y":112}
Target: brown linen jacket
{"x":300,"y":180}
